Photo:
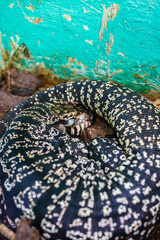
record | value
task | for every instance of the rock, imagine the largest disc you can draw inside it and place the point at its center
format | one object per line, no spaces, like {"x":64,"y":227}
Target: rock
{"x":8,"y":100}
{"x":26,"y":232}
{"x":20,"y":83}
{"x":3,"y":85}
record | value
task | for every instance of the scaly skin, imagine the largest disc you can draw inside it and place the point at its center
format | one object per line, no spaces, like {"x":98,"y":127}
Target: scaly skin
{"x":71,"y":190}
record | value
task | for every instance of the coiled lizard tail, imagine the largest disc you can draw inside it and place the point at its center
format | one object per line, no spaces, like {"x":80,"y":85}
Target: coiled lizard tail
{"x":108,"y":189}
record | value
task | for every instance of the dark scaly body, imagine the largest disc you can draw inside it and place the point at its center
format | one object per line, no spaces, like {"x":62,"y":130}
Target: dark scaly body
{"x":71,"y":190}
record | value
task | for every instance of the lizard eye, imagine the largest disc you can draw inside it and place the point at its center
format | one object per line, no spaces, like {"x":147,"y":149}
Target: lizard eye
{"x":71,"y":122}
